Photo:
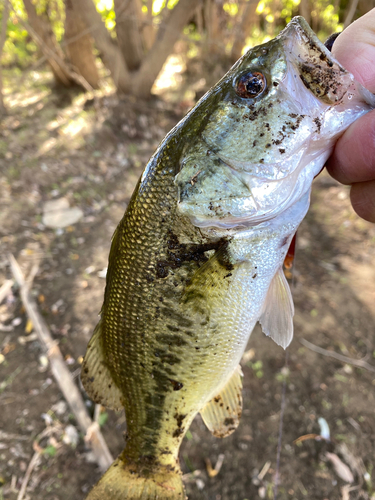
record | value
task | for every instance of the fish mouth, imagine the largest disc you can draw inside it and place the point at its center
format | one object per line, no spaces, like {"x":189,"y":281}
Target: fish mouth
{"x":269,"y":195}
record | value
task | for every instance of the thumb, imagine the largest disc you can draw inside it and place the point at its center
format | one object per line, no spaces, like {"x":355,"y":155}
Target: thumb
{"x":355,"y":49}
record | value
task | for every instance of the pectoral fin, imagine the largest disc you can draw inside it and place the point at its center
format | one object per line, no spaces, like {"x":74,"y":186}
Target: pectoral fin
{"x":278,"y":310}
{"x":210,"y":282}
{"x":222,"y":414}
{"x":96,"y":377}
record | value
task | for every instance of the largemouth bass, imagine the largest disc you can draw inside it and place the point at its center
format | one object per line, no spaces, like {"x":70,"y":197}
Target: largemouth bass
{"x":197,"y":259}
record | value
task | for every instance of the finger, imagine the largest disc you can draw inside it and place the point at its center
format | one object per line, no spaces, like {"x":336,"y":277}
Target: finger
{"x":362,"y":196}
{"x":353,"y":159}
{"x":355,"y":49}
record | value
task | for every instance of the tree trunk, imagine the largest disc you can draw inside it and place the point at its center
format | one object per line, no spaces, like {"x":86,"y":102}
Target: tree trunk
{"x":365,"y":6}
{"x":42,"y":33}
{"x":109,"y":51}
{"x":3,"y":33}
{"x":211,"y":19}
{"x":350,"y":13}
{"x":199,"y":20}
{"x":167,"y":36}
{"x":79,"y":46}
{"x":243,"y":29}
{"x":129,"y":34}
{"x":305,"y":10}
{"x":149,"y":28}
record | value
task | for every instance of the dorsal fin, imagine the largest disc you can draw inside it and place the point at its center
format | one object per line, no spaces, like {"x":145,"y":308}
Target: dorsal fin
{"x":222,"y":414}
{"x":96,"y":377}
{"x":278,"y":310}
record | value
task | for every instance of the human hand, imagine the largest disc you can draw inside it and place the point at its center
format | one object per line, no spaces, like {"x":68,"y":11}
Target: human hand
{"x":353,"y":159}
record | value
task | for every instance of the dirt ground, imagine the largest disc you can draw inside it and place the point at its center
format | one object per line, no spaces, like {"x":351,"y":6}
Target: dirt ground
{"x":92,"y":152}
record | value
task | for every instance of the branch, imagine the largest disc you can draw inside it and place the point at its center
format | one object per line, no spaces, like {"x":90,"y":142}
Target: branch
{"x":61,"y":373}
{"x":360,"y":363}
{"x":51,"y":54}
{"x":167,"y":36}
{"x":351,"y":12}
{"x":109,"y":52}
{"x":5,"y":289}
{"x":26,"y":478}
{"x":243,"y":29}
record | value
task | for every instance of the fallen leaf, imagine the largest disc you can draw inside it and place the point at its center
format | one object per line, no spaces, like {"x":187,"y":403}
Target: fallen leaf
{"x":341,"y":469}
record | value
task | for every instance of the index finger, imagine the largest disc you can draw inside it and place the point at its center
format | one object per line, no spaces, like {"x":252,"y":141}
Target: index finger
{"x":353,"y":159}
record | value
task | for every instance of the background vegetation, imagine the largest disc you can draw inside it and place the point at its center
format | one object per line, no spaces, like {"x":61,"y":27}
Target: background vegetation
{"x":85,"y":40}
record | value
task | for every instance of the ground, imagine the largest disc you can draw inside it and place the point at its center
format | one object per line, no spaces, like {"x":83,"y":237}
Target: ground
{"x":92,"y":152}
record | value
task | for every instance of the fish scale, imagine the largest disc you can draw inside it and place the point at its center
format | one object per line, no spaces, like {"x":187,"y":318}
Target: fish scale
{"x":197,"y":259}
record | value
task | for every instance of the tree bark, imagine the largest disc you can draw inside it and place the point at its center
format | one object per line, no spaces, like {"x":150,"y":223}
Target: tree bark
{"x":211,"y":18}
{"x":350,"y":13}
{"x":109,"y":51}
{"x":80,"y":47}
{"x":305,"y":10}
{"x":129,"y":33}
{"x":45,"y":38}
{"x":149,"y":28}
{"x":365,"y":6}
{"x":199,"y":19}
{"x":167,"y":36}
{"x":243,"y":29}
{"x":3,"y":33}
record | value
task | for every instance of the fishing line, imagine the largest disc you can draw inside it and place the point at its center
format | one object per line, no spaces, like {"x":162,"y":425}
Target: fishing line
{"x":283,"y":399}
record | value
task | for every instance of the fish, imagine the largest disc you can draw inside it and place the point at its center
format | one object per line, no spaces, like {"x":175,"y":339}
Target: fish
{"x":197,"y":259}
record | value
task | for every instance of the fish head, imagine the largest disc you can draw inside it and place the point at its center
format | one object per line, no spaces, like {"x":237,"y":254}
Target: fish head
{"x":266,"y":130}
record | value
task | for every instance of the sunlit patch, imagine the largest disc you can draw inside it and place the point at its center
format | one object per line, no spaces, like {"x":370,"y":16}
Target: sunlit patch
{"x":26,"y":98}
{"x":47,"y":146}
{"x":73,"y":128}
{"x":170,"y":76}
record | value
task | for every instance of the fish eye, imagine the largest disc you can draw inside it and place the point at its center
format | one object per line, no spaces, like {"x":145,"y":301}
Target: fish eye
{"x":251,"y":84}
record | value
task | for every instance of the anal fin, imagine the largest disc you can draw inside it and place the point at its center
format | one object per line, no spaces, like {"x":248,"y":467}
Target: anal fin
{"x":96,"y":377}
{"x":222,"y":414}
{"x":277,"y":314}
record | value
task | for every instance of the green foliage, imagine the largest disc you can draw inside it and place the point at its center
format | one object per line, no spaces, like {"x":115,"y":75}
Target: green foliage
{"x":231,"y":8}
{"x":50,"y":450}
{"x":257,"y":366}
{"x":324,"y":15}
{"x":158,"y":6}
{"x":19,"y":48}
{"x":54,"y":11}
{"x":271,"y":17}
{"x":103,"y":417}
{"x":106,"y":9}
{"x":189,"y":435}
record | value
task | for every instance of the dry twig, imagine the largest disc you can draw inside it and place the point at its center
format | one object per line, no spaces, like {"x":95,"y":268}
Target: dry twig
{"x":70,"y":70}
{"x":26,"y":478}
{"x":62,"y":375}
{"x":360,"y":363}
{"x":5,"y":289}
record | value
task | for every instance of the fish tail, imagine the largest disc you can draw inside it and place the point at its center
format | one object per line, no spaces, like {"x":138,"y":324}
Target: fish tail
{"x":122,"y":481}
